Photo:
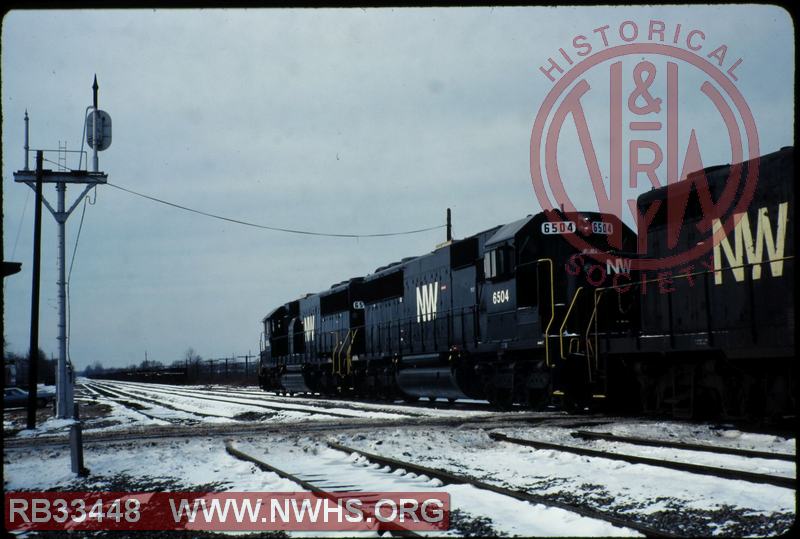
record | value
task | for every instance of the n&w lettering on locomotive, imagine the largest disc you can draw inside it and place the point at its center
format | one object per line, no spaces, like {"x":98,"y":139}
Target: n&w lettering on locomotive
{"x":747,"y":251}
{"x":427,"y":296}
{"x":528,"y":319}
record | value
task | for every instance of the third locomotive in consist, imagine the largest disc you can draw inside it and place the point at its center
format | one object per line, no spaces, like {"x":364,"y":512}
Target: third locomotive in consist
{"x":516,"y":315}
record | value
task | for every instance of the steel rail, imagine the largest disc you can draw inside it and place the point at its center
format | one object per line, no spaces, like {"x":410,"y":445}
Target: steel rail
{"x":174,"y":431}
{"x":264,"y":396}
{"x":681,"y":445}
{"x":236,"y":453}
{"x":123,"y":401}
{"x":454,"y":479}
{"x":183,"y":393}
{"x":725,"y":473}
{"x":134,"y":395}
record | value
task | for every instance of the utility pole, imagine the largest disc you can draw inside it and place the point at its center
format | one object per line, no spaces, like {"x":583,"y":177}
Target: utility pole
{"x":95,"y":87}
{"x":33,"y":357}
{"x":99,"y":138}
{"x":449,"y":226}
{"x":246,"y":361}
{"x":26,"y":140}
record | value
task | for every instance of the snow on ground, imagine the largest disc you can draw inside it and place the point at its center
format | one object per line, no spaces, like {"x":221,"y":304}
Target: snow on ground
{"x":186,"y":465}
{"x":117,"y":417}
{"x":679,"y":502}
{"x":201,"y":464}
{"x":152,"y":407}
{"x":210,"y":400}
{"x":606,"y":484}
{"x":316,"y":404}
{"x":201,"y":408}
{"x":329,"y":468}
{"x":180,"y":464}
{"x":699,"y":435}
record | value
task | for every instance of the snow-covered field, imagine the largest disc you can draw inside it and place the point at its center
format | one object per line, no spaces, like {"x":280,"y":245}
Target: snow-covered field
{"x":674,"y":501}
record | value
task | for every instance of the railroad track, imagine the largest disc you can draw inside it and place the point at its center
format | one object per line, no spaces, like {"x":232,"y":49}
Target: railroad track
{"x":135,"y":407}
{"x":589,"y":435}
{"x":303,"y":483}
{"x":306,"y":400}
{"x":139,"y":397}
{"x":180,"y":431}
{"x":316,"y":401}
{"x":498,"y":418}
{"x":724,"y":473}
{"x":276,"y":407}
{"x":449,"y":478}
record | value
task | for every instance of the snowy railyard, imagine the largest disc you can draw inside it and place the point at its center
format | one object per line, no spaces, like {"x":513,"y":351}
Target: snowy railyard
{"x":581,"y":477}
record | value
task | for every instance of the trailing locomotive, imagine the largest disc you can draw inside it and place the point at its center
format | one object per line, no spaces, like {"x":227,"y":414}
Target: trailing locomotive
{"x":483,"y":317}
{"x":513,"y":315}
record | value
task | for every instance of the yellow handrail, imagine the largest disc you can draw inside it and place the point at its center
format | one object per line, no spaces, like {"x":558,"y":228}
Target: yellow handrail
{"x":564,"y":323}
{"x":336,"y":355}
{"x":349,"y":348}
{"x":341,"y":350}
{"x":598,"y":292}
{"x":552,"y":310}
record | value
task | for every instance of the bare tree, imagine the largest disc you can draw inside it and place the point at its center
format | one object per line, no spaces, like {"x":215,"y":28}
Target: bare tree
{"x":191,"y":357}
{"x":94,"y":369}
{"x":193,"y":366}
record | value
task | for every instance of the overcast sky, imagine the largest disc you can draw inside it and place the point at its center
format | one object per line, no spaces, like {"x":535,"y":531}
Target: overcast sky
{"x":347,"y":121}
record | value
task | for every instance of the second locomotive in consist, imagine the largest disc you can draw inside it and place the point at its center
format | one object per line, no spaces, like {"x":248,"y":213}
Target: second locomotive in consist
{"x":515,"y":314}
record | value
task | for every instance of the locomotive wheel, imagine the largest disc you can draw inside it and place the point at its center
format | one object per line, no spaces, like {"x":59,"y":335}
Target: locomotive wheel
{"x":537,"y":389}
{"x":538,"y":398}
{"x":500,"y":398}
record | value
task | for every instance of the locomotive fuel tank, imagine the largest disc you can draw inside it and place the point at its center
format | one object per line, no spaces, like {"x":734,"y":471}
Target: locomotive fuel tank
{"x":432,"y":382}
{"x":293,"y":380}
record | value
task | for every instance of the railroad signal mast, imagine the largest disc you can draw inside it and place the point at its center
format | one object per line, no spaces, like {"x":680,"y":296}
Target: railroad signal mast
{"x":98,"y":137}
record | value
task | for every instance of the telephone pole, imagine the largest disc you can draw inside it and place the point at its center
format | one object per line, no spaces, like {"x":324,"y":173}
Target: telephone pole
{"x":33,"y":357}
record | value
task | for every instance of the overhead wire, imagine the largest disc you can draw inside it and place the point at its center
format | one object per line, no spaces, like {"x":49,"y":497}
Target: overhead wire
{"x":19,"y":227}
{"x":214,"y":216}
{"x":268,"y":227}
{"x":275,"y":228}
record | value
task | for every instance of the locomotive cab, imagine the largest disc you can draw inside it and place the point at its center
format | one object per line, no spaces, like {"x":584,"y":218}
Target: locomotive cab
{"x":273,"y":349}
{"x":536,"y":308}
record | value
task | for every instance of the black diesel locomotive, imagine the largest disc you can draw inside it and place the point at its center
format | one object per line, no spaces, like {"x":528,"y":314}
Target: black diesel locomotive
{"x":716,"y":334}
{"x":516,"y":314}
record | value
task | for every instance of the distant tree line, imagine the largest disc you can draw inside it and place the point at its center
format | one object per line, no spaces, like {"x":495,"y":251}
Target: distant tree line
{"x":192,"y":369}
{"x":15,"y":367}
